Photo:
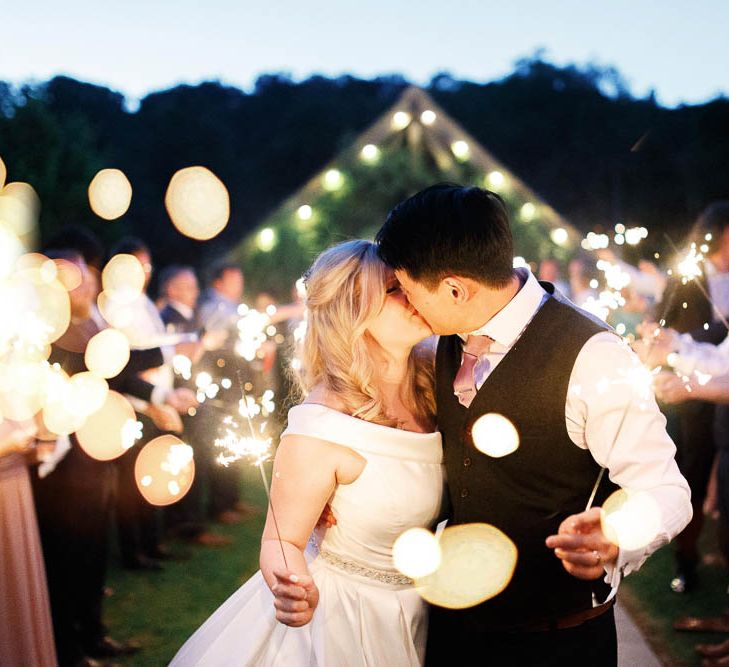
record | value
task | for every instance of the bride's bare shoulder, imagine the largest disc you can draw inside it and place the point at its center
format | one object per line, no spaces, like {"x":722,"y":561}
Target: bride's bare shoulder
{"x":320,"y":395}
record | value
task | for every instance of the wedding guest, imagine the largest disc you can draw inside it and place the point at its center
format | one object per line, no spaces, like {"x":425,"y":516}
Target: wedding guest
{"x":26,"y":630}
{"x":73,"y":494}
{"x":674,"y":389}
{"x":218,"y":311}
{"x":687,"y":309}
{"x":582,"y":273}
{"x":178,"y":287}
{"x":549,"y":271}
{"x":83,"y":240}
{"x":137,"y":520}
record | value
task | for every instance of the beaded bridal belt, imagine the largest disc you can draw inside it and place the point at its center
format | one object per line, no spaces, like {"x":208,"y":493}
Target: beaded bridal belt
{"x":350,"y":567}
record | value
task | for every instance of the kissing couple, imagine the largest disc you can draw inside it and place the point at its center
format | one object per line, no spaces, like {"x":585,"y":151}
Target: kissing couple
{"x":383,"y":439}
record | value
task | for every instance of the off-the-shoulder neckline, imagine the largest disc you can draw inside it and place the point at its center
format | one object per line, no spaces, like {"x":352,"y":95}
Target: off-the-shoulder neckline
{"x":428,"y":434}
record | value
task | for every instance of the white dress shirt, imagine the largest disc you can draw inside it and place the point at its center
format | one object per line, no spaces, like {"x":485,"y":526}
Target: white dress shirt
{"x":141,"y":323}
{"x":622,"y":428}
{"x":693,"y":356}
{"x":718,"y":282}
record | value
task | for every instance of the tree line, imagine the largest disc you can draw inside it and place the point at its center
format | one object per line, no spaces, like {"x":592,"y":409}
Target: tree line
{"x":575,"y":135}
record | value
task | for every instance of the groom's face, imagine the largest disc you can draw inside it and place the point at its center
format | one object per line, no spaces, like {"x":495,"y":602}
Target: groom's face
{"x":435,"y":306}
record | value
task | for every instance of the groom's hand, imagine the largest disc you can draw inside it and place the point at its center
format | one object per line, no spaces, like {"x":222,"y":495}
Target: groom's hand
{"x":582,"y":547}
{"x":296,"y":597}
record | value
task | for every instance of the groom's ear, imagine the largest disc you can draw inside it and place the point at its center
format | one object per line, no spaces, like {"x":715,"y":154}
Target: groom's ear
{"x":458,"y":289}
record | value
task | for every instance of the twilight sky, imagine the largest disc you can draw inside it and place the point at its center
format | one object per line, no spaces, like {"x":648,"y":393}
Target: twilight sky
{"x":677,"y":47}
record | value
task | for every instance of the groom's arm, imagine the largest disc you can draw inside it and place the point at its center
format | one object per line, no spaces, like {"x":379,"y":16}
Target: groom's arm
{"x":611,"y":410}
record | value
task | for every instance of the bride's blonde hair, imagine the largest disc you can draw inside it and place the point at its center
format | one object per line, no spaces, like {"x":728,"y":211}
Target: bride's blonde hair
{"x":345,"y":289}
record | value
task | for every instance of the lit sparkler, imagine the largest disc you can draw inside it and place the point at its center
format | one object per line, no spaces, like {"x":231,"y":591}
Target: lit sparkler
{"x":254,"y":447}
{"x":251,"y":333}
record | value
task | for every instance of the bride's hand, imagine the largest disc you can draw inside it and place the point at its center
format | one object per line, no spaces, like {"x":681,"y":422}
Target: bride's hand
{"x":296,"y":598}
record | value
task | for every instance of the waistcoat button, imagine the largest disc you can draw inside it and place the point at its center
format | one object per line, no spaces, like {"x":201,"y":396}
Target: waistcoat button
{"x":466,"y":462}
{"x":464,"y":493}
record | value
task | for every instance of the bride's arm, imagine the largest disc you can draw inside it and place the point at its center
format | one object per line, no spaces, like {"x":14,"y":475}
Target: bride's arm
{"x":304,"y":477}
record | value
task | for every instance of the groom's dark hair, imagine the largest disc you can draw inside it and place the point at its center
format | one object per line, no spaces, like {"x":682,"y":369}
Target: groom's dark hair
{"x":446,"y":230}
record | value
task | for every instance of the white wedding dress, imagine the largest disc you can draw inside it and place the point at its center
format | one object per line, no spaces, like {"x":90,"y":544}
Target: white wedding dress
{"x":368,"y":613}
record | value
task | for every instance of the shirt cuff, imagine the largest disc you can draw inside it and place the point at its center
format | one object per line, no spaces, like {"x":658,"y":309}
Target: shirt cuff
{"x":683,"y":360}
{"x":159,"y":395}
{"x":629,"y":560}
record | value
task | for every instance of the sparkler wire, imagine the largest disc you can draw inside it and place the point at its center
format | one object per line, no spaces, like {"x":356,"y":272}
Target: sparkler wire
{"x":260,"y":466}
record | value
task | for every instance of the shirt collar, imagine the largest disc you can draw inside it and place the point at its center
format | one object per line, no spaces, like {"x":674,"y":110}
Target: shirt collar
{"x":506,"y":326}
{"x":183,"y":309}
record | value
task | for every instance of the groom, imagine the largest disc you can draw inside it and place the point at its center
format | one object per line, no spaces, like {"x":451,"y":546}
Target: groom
{"x":513,"y":346}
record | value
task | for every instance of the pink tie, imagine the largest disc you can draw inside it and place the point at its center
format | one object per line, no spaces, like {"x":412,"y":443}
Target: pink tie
{"x":464,"y":386}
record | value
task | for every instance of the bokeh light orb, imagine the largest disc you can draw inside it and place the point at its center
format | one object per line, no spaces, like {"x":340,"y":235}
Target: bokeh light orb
{"x":107,"y":353}
{"x":461,"y":150}
{"x":333,"y":180}
{"x":527,"y":212}
{"x":110,"y":194}
{"x":266,"y":239}
{"x":23,"y":385}
{"x":61,"y":413}
{"x":24,"y":193}
{"x":559,"y":236}
{"x":3,"y":173}
{"x":110,"y":431}
{"x":198,"y":203}
{"x":89,"y":391}
{"x":19,"y":210}
{"x":495,"y":180}
{"x":428,"y":117}
{"x":164,"y":470}
{"x":118,"y":314}
{"x":62,"y":417}
{"x":495,"y":435}
{"x":304,"y":212}
{"x":36,"y":307}
{"x":123,"y":278}
{"x":11,"y":248}
{"x":416,"y":553}
{"x":630,"y":519}
{"x":477,"y":563}
{"x":370,"y":154}
{"x":400,"y":120}
{"x":68,"y":274}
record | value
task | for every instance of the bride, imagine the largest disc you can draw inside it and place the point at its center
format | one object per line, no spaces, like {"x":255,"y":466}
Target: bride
{"x":363,"y":443}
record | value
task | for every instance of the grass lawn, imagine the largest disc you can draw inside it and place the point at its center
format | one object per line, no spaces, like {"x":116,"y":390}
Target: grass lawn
{"x":654,"y":606}
{"x":162,"y":609}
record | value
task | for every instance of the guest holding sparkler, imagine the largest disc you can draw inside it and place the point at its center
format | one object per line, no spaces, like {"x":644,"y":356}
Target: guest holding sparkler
{"x":178,"y":287}
{"x":217,"y":311}
{"x":137,"y":520}
{"x":362,"y":441}
{"x":74,"y":494}
{"x":695,"y":305}
{"x":677,"y":389}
